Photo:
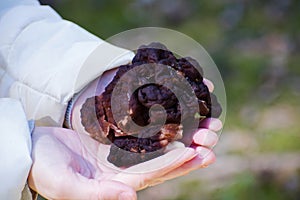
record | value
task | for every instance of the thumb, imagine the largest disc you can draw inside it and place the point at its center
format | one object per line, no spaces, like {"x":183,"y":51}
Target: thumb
{"x":111,"y":190}
{"x":90,"y":189}
{"x":102,"y":190}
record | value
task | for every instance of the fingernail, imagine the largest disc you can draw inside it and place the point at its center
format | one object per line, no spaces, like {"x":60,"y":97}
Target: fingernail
{"x":126,"y":196}
{"x":215,"y":125}
{"x":211,"y":138}
{"x":203,"y":152}
{"x":205,"y":137}
{"x":206,"y":155}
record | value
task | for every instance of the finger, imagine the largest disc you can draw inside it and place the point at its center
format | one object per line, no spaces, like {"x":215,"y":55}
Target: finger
{"x":213,"y":124}
{"x":209,"y":84}
{"x":205,"y":137}
{"x":205,"y":157}
{"x":139,"y":176}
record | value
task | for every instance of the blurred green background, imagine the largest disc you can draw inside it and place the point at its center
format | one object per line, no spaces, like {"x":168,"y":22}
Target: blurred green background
{"x":256,"y":46}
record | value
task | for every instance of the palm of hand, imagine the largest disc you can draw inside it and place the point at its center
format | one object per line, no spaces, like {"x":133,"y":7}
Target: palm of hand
{"x":64,"y":168}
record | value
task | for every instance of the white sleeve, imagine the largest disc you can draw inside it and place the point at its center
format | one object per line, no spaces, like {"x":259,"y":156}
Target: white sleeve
{"x":43,"y":60}
{"x":15,"y":149}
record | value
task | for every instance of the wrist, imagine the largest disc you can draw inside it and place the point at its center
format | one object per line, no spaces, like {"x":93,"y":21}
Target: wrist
{"x":95,"y":88}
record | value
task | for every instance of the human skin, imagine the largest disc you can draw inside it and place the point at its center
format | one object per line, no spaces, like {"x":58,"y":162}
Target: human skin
{"x":63,"y":168}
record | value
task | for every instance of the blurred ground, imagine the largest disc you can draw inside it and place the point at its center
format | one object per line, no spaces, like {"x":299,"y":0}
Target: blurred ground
{"x":256,"y":46}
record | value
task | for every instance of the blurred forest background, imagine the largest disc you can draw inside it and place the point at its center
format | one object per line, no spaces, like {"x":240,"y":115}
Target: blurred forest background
{"x":256,"y":46}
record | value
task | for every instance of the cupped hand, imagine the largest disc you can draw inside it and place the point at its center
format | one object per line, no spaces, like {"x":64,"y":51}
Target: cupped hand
{"x":64,"y":169}
{"x":65,"y":166}
{"x":155,"y":171}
